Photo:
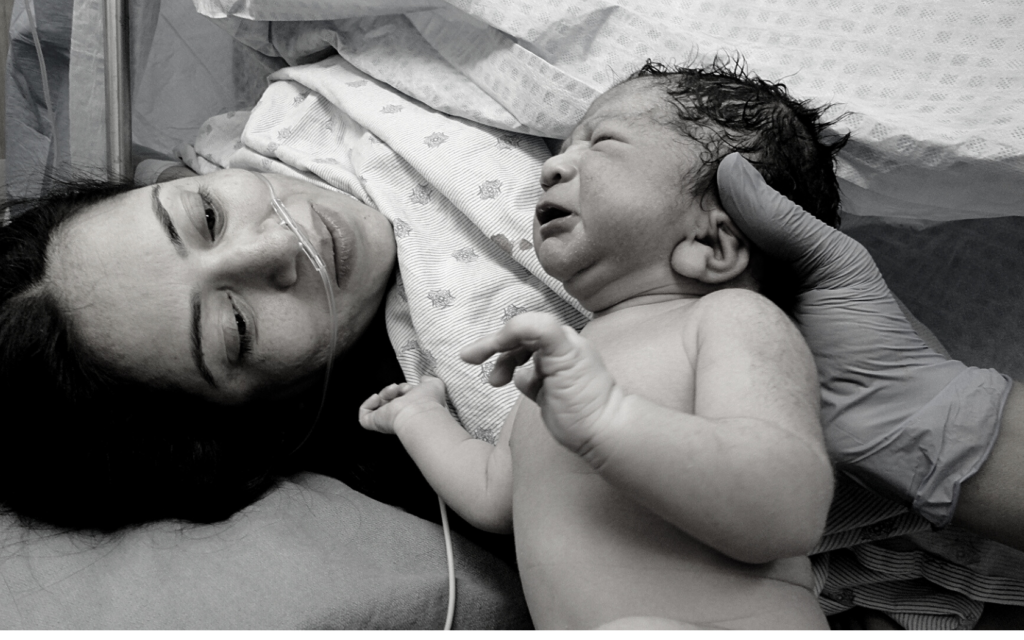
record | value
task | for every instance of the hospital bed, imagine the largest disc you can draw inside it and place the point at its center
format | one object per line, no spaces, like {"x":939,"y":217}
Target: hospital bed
{"x":933,"y":184}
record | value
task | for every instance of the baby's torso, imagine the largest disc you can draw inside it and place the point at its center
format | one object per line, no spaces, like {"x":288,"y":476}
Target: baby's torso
{"x":589,"y":555}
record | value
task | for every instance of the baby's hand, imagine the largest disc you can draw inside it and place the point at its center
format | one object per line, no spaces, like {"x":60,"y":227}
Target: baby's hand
{"x":398,"y":404}
{"x":569,"y":382}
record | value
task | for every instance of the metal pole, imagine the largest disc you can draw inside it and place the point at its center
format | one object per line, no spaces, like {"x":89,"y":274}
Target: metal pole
{"x":118,"y":91}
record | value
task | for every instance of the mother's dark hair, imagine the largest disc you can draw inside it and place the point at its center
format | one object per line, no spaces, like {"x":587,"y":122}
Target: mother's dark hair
{"x":88,"y":448}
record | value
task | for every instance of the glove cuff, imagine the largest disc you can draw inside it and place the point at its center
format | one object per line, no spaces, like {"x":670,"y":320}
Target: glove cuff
{"x":954,"y":435}
{"x":924,"y":458}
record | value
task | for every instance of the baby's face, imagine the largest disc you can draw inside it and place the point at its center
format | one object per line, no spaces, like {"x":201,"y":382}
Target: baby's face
{"x":614,"y":204}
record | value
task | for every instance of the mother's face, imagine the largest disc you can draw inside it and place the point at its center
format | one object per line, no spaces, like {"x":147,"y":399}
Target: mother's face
{"x":194,"y":284}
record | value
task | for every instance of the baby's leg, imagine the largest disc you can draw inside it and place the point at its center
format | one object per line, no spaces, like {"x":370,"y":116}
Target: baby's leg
{"x":644,"y":623}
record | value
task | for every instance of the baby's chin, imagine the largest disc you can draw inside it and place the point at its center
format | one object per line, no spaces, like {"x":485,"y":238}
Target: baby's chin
{"x":580,"y":280}
{"x":559,"y":259}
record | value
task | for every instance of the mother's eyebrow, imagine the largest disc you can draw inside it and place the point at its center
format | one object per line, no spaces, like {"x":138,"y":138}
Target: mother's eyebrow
{"x":167,"y":224}
{"x":196,"y":328}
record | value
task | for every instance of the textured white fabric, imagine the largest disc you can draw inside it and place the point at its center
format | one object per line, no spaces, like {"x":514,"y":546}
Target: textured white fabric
{"x":87,"y":144}
{"x":878,"y":555}
{"x":934,"y":88}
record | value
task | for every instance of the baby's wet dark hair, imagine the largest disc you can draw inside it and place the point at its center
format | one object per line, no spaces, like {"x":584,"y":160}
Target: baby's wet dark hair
{"x":725,"y":108}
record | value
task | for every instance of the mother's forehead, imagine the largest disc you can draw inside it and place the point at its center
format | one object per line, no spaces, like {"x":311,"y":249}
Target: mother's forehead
{"x":108,"y":260}
{"x":100,"y":223}
{"x":118,"y":280}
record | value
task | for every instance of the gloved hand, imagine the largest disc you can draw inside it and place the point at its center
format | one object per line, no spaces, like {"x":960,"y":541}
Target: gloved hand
{"x":897,"y":415}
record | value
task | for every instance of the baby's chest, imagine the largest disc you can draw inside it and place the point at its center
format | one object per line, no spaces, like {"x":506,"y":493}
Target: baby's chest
{"x":653,"y":361}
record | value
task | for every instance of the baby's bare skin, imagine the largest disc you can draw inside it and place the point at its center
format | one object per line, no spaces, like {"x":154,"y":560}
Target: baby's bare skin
{"x":589,"y":555}
{"x":676,"y":473}
{"x":666,"y":468}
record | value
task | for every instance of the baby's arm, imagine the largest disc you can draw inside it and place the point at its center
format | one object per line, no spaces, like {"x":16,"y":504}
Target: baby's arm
{"x":747,"y":475}
{"x":472,"y":476}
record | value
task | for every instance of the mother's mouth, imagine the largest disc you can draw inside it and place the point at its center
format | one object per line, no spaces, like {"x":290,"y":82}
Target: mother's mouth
{"x":341,"y":245}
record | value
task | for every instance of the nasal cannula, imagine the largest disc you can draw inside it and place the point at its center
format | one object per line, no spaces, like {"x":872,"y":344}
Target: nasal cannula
{"x":318,"y":264}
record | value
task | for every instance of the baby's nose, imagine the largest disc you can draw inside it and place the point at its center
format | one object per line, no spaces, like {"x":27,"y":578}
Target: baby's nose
{"x":556,"y":169}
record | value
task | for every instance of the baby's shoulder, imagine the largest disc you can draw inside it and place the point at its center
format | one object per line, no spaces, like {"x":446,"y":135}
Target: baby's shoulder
{"x":742,"y":310}
{"x":736,"y":301}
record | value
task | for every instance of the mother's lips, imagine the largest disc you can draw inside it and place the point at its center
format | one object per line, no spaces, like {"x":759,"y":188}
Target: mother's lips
{"x":337,"y":241}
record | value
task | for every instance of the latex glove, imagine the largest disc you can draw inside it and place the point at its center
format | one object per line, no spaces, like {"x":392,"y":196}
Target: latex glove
{"x":897,"y":415}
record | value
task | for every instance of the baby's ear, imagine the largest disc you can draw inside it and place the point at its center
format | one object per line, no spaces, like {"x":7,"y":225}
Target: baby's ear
{"x":715,"y":253}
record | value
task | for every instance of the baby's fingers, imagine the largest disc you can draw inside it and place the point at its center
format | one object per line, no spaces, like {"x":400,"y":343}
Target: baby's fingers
{"x":371,"y":416}
{"x":506,"y":365}
{"x":529,"y":382}
{"x":372,"y":403}
{"x":392,"y":391}
{"x":532,"y":331}
{"x":374,"y":414}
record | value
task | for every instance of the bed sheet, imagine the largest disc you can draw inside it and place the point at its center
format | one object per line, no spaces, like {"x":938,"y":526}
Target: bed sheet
{"x":934,"y":89}
{"x":964,"y":279}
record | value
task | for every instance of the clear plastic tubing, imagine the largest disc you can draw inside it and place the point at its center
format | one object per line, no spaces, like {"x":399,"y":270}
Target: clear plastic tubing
{"x":318,"y":264}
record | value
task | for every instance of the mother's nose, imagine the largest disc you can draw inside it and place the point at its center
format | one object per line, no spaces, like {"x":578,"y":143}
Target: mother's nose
{"x":268,"y":253}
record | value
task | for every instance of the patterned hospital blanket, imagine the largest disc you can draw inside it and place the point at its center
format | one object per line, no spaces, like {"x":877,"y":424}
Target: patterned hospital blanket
{"x":459,"y":192}
{"x":934,"y":88}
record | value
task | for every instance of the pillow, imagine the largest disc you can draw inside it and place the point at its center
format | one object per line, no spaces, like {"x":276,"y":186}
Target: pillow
{"x":311,"y":554}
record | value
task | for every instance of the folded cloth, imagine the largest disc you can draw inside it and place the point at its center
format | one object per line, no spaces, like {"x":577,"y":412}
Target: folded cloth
{"x":933,"y":90}
{"x":878,"y":555}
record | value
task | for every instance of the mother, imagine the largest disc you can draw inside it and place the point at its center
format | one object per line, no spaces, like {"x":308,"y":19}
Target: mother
{"x":174,"y":337}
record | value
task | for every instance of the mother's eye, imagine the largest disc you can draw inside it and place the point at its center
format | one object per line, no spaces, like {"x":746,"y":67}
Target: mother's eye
{"x":210,"y":212}
{"x":239,"y":344}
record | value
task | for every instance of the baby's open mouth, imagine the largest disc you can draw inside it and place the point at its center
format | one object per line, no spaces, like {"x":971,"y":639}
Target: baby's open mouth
{"x":547,"y":212}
